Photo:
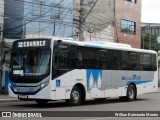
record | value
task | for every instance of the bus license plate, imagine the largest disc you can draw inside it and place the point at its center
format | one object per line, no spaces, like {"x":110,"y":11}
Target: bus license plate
{"x":23,"y":96}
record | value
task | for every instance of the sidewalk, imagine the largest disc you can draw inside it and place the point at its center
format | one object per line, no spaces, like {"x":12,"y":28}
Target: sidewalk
{"x":6,"y":98}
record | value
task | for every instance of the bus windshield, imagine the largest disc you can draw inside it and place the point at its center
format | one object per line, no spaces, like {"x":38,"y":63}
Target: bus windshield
{"x":31,"y":62}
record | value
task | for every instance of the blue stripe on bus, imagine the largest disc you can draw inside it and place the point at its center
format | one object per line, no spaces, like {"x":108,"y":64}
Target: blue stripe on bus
{"x":139,"y":82}
{"x":95,"y":75}
{"x":93,"y":46}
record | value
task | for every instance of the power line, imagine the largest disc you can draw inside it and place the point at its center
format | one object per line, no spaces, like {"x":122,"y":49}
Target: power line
{"x":30,"y":21}
{"x":90,"y":10}
{"x":64,"y":17}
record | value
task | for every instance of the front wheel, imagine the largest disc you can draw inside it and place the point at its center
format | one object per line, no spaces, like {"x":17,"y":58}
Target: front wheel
{"x":76,"y":96}
{"x":131,"y":93}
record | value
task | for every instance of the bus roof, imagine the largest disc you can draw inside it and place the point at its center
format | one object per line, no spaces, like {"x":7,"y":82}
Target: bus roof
{"x":104,"y":45}
{"x":98,"y":44}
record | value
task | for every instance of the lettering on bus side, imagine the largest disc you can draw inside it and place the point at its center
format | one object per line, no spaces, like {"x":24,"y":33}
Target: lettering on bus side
{"x":32,"y":44}
{"x":133,"y":77}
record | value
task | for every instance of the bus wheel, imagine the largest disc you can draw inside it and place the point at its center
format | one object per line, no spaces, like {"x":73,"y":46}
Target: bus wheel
{"x":76,"y":96}
{"x":131,"y":93}
{"x":41,"y":102}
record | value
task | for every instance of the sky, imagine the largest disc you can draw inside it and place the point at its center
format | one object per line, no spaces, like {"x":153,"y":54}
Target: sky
{"x":150,"y":11}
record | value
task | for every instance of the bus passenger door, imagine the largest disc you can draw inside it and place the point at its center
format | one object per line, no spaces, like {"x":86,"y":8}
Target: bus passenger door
{"x":61,"y":67}
{"x":61,"y":62}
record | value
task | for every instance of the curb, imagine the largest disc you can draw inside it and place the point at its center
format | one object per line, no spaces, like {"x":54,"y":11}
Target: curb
{"x":9,"y":100}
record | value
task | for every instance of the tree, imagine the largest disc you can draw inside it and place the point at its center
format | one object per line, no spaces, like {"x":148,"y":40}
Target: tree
{"x":154,"y":43}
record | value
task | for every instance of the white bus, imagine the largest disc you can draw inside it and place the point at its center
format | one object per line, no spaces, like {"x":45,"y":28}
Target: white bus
{"x":63,"y":69}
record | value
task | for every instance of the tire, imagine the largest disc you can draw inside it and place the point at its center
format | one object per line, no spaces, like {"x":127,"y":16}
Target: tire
{"x":131,"y":93}
{"x":41,"y":102}
{"x":76,"y":96}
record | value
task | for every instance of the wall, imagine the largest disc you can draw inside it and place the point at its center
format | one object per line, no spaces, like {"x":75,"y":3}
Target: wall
{"x":129,"y":11}
{"x":99,"y":21}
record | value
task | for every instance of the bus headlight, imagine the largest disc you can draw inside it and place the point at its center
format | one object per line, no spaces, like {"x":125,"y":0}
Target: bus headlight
{"x":44,"y":85}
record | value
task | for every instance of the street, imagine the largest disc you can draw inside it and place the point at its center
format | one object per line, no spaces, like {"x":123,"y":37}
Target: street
{"x":145,"y":102}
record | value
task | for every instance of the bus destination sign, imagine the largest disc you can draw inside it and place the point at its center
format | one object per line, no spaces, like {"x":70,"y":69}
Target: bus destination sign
{"x":41,"y":43}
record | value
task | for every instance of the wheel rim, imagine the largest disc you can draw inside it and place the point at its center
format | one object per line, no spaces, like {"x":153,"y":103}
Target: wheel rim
{"x":131,"y":93}
{"x":75,"y":96}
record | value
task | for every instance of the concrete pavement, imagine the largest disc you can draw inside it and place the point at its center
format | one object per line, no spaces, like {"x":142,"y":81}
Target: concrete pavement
{"x":6,"y":98}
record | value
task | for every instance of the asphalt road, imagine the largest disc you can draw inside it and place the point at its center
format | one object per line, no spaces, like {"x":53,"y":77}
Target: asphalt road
{"x":146,"y":102}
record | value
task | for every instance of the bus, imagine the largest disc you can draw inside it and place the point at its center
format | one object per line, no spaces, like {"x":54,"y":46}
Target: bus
{"x":46,"y":69}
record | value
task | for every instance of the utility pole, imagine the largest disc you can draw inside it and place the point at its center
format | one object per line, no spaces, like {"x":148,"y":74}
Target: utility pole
{"x":54,"y":29}
{"x":150,"y":36}
{"x":81,"y":19}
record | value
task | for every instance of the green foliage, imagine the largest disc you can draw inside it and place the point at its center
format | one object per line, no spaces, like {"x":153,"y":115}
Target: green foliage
{"x":2,"y":91}
{"x":154,"y":43}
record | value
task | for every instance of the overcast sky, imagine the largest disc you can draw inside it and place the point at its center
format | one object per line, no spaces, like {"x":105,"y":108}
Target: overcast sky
{"x":151,"y":11}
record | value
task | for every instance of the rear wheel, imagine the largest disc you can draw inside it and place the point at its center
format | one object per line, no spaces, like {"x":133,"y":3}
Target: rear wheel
{"x":131,"y":93}
{"x":76,"y":96}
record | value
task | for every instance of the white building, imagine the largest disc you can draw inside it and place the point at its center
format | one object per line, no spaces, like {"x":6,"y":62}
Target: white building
{"x":99,"y":20}
{"x":1,"y":12}
{"x":153,"y":28}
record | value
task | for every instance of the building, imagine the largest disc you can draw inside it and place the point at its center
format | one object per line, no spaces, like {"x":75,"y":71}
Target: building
{"x":128,"y":22}
{"x":13,"y":10}
{"x":1,"y":34}
{"x":38,"y":18}
{"x":152,"y":28}
{"x":34,"y":18}
{"x":111,"y":20}
{"x":1,"y":14}
{"x":99,"y":20}
{"x":1,"y":20}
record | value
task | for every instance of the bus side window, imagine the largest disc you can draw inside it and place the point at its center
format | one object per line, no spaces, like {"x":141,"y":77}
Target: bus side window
{"x":133,"y":61}
{"x":56,"y":60}
{"x":63,"y":60}
{"x":153,"y":63}
{"x":73,"y":60}
{"x":116,"y":61}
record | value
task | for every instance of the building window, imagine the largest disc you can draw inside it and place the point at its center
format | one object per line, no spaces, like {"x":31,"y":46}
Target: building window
{"x":133,"y":1}
{"x":56,"y":11}
{"x":128,"y":27}
{"x":38,"y":7}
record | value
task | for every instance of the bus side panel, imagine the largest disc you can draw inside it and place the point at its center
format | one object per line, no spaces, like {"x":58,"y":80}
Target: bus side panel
{"x":107,"y":78}
{"x":78,"y":76}
{"x":155,"y":86}
{"x":52,"y":89}
{"x":59,"y":86}
{"x":106,"y":83}
{"x":118,"y":82}
{"x":148,"y":80}
{"x":63,"y":85}
{"x":42,"y":94}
